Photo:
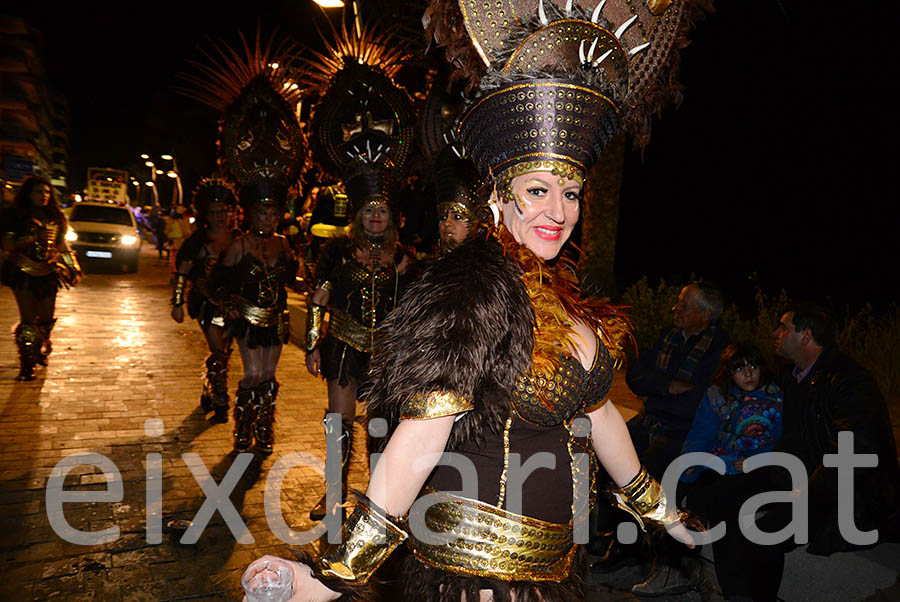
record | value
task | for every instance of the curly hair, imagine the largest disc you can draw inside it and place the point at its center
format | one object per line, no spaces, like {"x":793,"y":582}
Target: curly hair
{"x":22,"y":202}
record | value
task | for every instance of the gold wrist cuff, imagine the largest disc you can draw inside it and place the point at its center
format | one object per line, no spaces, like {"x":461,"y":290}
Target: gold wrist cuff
{"x":69,"y":260}
{"x":434,"y":405}
{"x":178,"y":292}
{"x":368,"y":538}
{"x":315,"y":315}
{"x":644,"y":499}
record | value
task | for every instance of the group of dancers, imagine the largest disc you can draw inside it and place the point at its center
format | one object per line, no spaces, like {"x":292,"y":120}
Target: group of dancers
{"x":487,"y":349}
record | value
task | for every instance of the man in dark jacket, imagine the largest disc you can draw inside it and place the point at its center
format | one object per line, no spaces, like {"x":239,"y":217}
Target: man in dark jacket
{"x":826,"y":392}
{"x":674,"y":375}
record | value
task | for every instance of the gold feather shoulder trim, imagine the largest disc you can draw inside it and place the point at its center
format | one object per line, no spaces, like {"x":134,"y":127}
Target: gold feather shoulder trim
{"x":556,"y":301}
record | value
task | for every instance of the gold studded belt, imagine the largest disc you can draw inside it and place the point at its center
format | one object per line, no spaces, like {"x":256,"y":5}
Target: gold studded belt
{"x":32,"y":267}
{"x":346,"y":329}
{"x":262,"y":316}
{"x":484,"y":540}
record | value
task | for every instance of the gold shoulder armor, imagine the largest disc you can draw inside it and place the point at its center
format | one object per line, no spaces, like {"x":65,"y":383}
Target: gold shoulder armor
{"x":434,"y":405}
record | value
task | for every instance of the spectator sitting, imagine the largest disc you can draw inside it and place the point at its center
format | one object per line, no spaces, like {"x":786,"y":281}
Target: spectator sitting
{"x":739,"y":416}
{"x":673,"y":375}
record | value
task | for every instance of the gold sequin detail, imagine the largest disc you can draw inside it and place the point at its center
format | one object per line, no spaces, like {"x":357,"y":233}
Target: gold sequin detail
{"x":487,"y":541}
{"x":434,"y":405}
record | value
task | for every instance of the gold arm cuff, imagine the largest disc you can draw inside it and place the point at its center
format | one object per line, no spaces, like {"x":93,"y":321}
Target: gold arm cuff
{"x":368,"y":538}
{"x":178,"y":291}
{"x":434,"y":405}
{"x":644,"y":499}
{"x":70,"y":260}
{"x":315,"y":316}
{"x":488,"y":541}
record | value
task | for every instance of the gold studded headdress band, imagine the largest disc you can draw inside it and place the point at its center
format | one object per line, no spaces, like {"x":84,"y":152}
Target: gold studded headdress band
{"x":459,"y":186}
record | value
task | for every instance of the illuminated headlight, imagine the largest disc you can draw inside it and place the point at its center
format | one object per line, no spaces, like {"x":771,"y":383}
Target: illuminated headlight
{"x":129,"y":240}
{"x":71,"y":235}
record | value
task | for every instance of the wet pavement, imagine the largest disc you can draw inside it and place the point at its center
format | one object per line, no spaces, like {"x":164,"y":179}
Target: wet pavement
{"x":124,"y":382}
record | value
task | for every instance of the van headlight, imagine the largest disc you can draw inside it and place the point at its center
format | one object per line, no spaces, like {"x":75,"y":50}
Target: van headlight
{"x":71,"y":235}
{"x":129,"y":240}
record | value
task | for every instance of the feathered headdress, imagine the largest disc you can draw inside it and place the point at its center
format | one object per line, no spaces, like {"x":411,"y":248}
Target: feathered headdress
{"x":261,"y":147}
{"x":556,"y":79}
{"x":363,"y":124}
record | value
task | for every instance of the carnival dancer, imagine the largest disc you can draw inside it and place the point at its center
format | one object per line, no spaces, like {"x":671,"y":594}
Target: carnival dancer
{"x":37,"y":261}
{"x":359,"y":277}
{"x":461,"y":195}
{"x":253,"y":277}
{"x":213,"y":204}
{"x":261,"y":150}
{"x":492,"y":354}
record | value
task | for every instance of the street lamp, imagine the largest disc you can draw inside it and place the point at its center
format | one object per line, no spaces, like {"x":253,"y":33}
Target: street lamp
{"x":174,"y":174}
{"x":330,"y":3}
{"x":152,"y":182}
{"x":137,"y":192}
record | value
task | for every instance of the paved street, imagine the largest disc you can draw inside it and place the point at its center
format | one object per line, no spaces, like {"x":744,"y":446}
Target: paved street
{"x":119,"y":361}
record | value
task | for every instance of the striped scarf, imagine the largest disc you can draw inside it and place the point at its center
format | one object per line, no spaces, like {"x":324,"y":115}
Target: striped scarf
{"x":673,"y":341}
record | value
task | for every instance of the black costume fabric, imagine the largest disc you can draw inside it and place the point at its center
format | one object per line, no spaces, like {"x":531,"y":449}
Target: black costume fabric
{"x":195,"y":249}
{"x":261,"y":286}
{"x":21,"y":224}
{"x":473,"y":334}
{"x":363,"y":296}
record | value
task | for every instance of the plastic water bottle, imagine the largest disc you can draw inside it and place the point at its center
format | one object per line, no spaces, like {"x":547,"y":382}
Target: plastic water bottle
{"x":268,"y":581}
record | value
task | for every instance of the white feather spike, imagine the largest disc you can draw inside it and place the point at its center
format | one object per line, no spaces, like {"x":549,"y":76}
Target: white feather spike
{"x":596,"y":14}
{"x":590,"y":54}
{"x":369,"y":148}
{"x":569,"y":8}
{"x":456,"y":152}
{"x":625,"y":26}
{"x":637,"y":49}
{"x":582,"y":59}
{"x":541,"y":14}
{"x":602,"y":58}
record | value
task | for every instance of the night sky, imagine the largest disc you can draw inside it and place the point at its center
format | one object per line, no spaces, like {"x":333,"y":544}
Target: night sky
{"x":781,"y":161}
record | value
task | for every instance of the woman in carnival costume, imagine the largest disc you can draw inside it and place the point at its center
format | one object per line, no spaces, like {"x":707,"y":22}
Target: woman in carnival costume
{"x":493,"y":354}
{"x":261,"y":151}
{"x":359,"y":277}
{"x":37,"y":261}
{"x":213,"y":203}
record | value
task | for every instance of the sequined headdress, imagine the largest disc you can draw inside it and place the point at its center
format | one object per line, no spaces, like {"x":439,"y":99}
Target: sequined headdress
{"x":362,"y":125}
{"x":209,"y":191}
{"x":261,"y":147}
{"x":556,"y":79}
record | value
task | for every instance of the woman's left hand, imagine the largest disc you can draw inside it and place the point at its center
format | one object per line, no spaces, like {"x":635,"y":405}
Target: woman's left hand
{"x":681,"y":531}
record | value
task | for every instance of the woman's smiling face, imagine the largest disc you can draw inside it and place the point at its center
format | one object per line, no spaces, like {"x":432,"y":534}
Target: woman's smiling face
{"x":544,"y":213}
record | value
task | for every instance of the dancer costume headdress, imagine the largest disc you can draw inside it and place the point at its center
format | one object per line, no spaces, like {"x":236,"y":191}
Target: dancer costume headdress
{"x":261,"y":147}
{"x":210,"y":191}
{"x":362,"y":126}
{"x":558,"y":79}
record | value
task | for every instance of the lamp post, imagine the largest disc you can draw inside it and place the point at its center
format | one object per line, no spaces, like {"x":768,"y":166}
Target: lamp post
{"x":177,"y":191}
{"x":137,"y":193}
{"x":152,"y":182}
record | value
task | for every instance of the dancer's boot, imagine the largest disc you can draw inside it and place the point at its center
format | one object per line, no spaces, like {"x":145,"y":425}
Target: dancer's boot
{"x":319,"y":511}
{"x":264,"y":425}
{"x":244,"y":403}
{"x":215,"y":389}
{"x":28,"y":340}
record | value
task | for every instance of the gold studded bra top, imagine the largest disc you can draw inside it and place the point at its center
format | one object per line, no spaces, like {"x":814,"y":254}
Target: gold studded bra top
{"x":476,"y":538}
{"x":549,"y":401}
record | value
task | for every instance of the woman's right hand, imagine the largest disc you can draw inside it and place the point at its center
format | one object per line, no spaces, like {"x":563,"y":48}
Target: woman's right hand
{"x":178,"y":313}
{"x":306,"y":587}
{"x":314,"y":362}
